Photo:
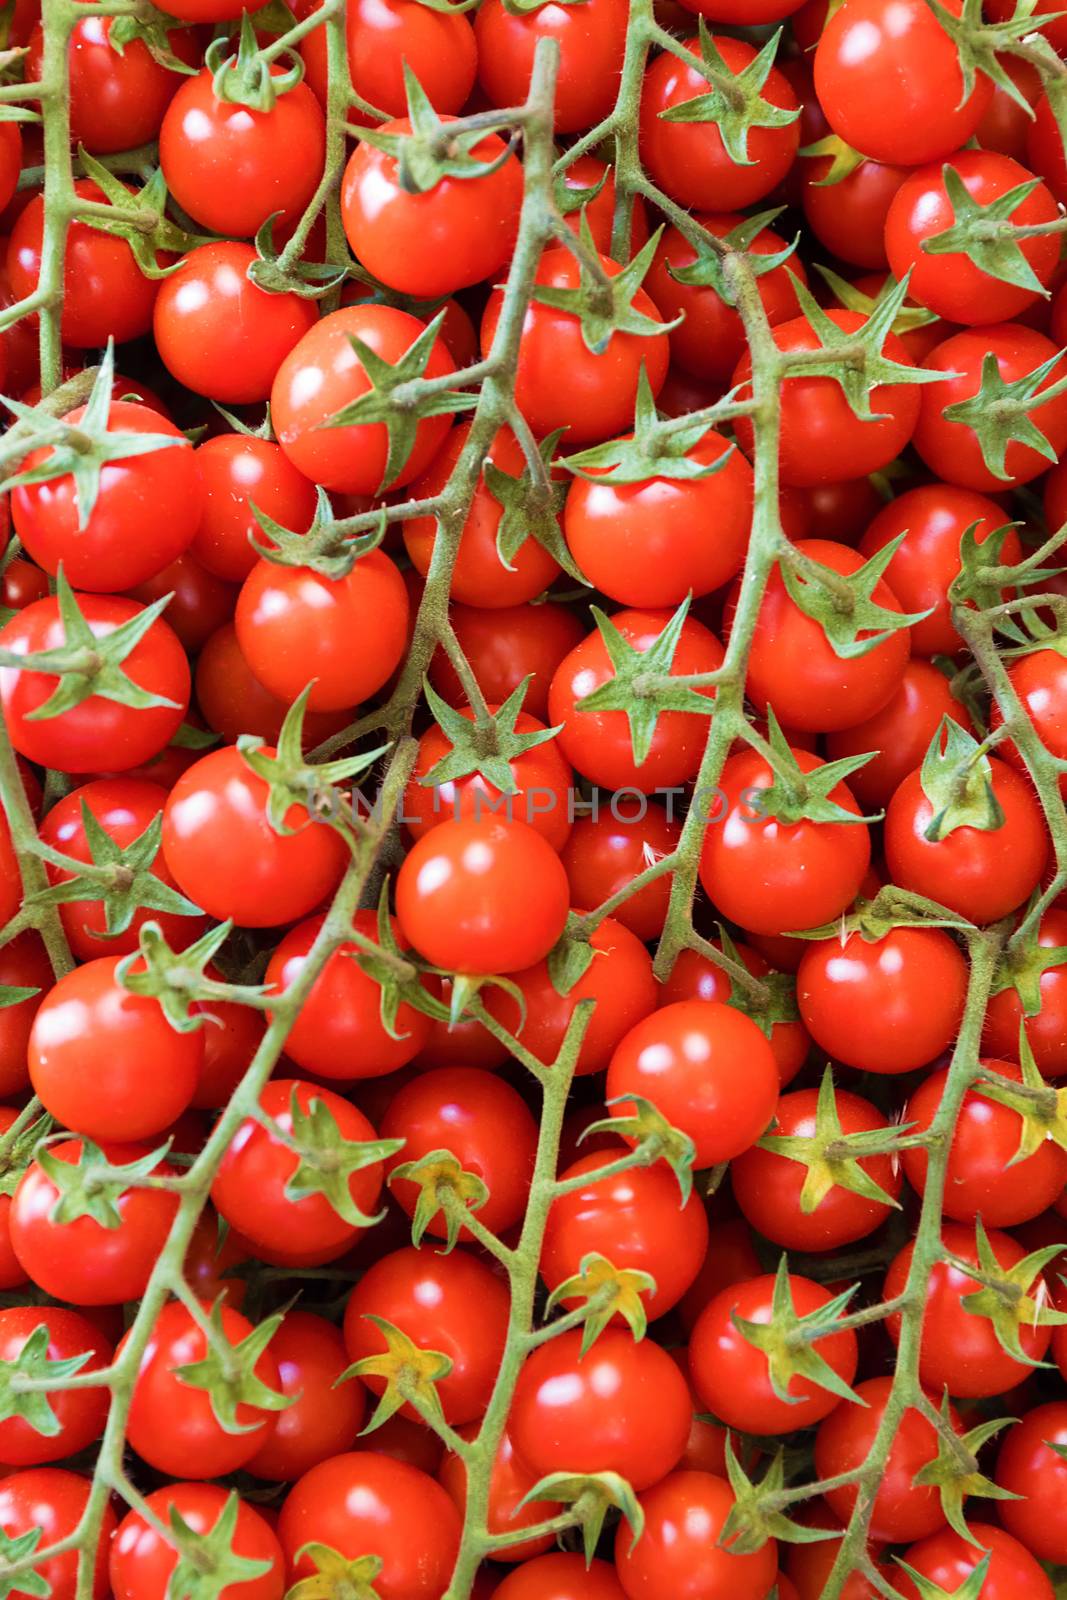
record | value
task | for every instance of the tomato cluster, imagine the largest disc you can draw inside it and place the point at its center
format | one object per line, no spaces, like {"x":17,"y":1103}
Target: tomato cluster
{"x":533,"y":856}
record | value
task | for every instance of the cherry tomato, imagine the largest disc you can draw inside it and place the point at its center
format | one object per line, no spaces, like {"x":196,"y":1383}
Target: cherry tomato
{"x":383,"y":36}
{"x":591,"y":39}
{"x":49,"y":1502}
{"x":679,"y":1557}
{"x":506,"y":646}
{"x":240,"y":471}
{"x":608,"y":849}
{"x":325,"y":1415}
{"x":79,"y":1414}
{"x":509,"y":1483}
{"x":1046,"y":1031}
{"x":1040,"y":681}
{"x":695,"y":977}
{"x":1030,"y":1466}
{"x":233,"y":701}
{"x":142,"y":1562}
{"x":560,"y":1576}
{"x":847,"y":215}
{"x":24,"y":964}
{"x":947,"y":1561}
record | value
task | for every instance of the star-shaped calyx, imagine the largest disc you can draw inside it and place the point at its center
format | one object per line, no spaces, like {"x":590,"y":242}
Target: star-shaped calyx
{"x":435,"y":148}
{"x":733,"y":101}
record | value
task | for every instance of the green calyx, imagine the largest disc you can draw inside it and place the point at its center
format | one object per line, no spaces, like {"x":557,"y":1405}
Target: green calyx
{"x":275,"y":273}
{"x":972,"y":1587}
{"x":1011,"y":1298}
{"x":1021,"y":967}
{"x":207,"y":1562}
{"x":151,"y":233}
{"x":530,"y":502}
{"x":245,"y":78}
{"x":603,"y":305}
{"x":590,"y":1495}
{"x":13,"y":1578}
{"x":92,"y":1186}
{"x":799,"y":796}
{"x":981,"y":45}
{"x":733,"y":100}
{"x":955,"y":1472}
{"x":841,"y":156}
{"x":434,"y":149}
{"x":708,"y":271}
{"x":652,"y":1136}
{"x":152,"y":28}
{"x":178,"y":979}
{"x":907,"y":319}
{"x":336,"y":1577}
{"x":88,"y":666}
{"x":985,"y":233}
{"x":26,"y":1143}
{"x":606,"y":1292}
{"x":397,"y":975}
{"x":834,"y":1159}
{"x":982,"y":580}
{"x":487,"y":745}
{"x":656,"y":449}
{"x":411,"y":1375}
{"x":788,"y":1341}
{"x":327,"y":1161}
{"x":227,"y":1373}
{"x":843,"y":604}
{"x":1042,"y":1108}
{"x":999,"y":414}
{"x":776,"y":1001}
{"x":957,"y":780}
{"x":33,"y":1365}
{"x":758,"y":1513}
{"x":324,"y":548}
{"x":444,"y":1188}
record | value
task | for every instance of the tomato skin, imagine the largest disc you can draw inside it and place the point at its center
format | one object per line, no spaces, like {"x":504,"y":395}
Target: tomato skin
{"x":325,"y":1417}
{"x":947,"y":1561}
{"x":24,"y":963}
{"x":82,"y":1260}
{"x":509,"y":1483}
{"x":1044,"y":148}
{"x":479,"y":576}
{"x":635,"y":1220}
{"x":711,"y":340}
{"x":933,"y":519}
{"x":124,"y":808}
{"x":364,"y":1504}
{"x":951,"y":285}
{"x":951,"y":449}
{"x":486,"y":1125}
{"x":504,"y":647}
{"x":445,"y":238}
{"x":338,"y":1031}
{"x":231,"y":167}
{"x":199,"y":602}
{"x":1040,"y":681}
{"x":1046,"y":1030}
{"x":1029,"y":1466}
{"x":767,"y":1186}
{"x":818,"y":428}
{"x":646,"y":544}
{"x":979,"y":1178}
{"x":217,"y":812}
{"x":900,"y":733}
{"x":10,"y":161}
{"x":605,"y":852}
{"x":345,"y":636}
{"x":848,"y":217}
{"x":888,"y":1005}
{"x":770,"y":877}
{"x":794,"y":668}
{"x":560,"y":1576}
{"x":232,"y":700}
{"x":960,"y":1351}
{"x":902,"y":1509}
{"x":240,"y":471}
{"x":141,"y":1562}
{"x":688,"y":160}
{"x":381,"y":35}
{"x":598,"y":743}
{"x":453,"y":1303}
{"x":686,"y":1059}
{"x":322,"y":374}
{"x":597,"y":401}
{"x":105,"y":1062}
{"x":117,"y":100}
{"x":541,"y":797}
{"x":559,"y":1422}
{"x":482,"y":896}
{"x":591,"y":40}
{"x":981,"y":874}
{"x":79,"y":1413}
{"x":52,"y":1501}
{"x":731,"y":1377}
{"x":105,"y":294}
{"x":678,"y":1556}
{"x":97,"y":731}
{"x":888,"y":78}
{"x":219,"y":334}
{"x":172,"y":1425}
{"x":694,"y":977}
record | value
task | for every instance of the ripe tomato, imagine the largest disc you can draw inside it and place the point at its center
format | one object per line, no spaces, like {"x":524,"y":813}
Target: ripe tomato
{"x":231,"y":167}
{"x":98,"y":732}
{"x":504,"y":647}
{"x":560,"y":1576}
{"x":79,"y":1414}
{"x":50,"y":1502}
{"x":902,"y":1508}
{"x":431,"y":242}
{"x":368,"y":1504}
{"x":599,"y":743}
{"x":325,"y":1416}
{"x":509,"y":1483}
{"x":889,"y":81}
{"x":707,"y":1068}
{"x":597,"y":400}
{"x":952,"y":285}
{"x":172,"y":1424}
{"x":635,"y":1220}
{"x":338,"y":1031}
{"x":885,"y":1005}
{"x":695,"y":977}
{"x":453,"y":1303}
{"x":1044,"y":147}
{"x":946,"y":1561}
{"x":142,"y":1562}
{"x":251,"y":1186}
{"x":482,"y":896}
{"x":90,"y":1261}
{"x":344,"y":636}
{"x":220,"y":335}
{"x":767,"y":1185}
{"x":619,"y":978}
{"x":679,"y":1557}
{"x":560,"y":1423}
{"x":117,"y":98}
{"x":1047,"y":1031}
{"x":711,"y":340}
{"x":485,"y":1124}
{"x":587,"y":172}
{"x":24,"y":963}
{"x":646,"y":544}
{"x":607,"y":850}
{"x":224,"y":854}
{"x":960,"y":1349}
{"x":688,"y":160}
{"x":591,"y":40}
{"x":819,"y":429}
{"x":1040,"y":681}
{"x":105,"y":295}
{"x":322,"y":374}
{"x":233,"y":701}
{"x":240,"y":471}
{"x":982,"y":1179}
{"x":199,"y":602}
{"x":382,"y":36}
{"x":981,"y":873}
{"x":1031,"y":1467}
{"x":771,"y":877}
{"x":951,"y":449}
{"x":107,"y":1063}
{"x":848,"y":216}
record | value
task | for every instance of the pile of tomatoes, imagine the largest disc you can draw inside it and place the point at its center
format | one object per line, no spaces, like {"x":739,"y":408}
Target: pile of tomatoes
{"x":533,"y":861}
